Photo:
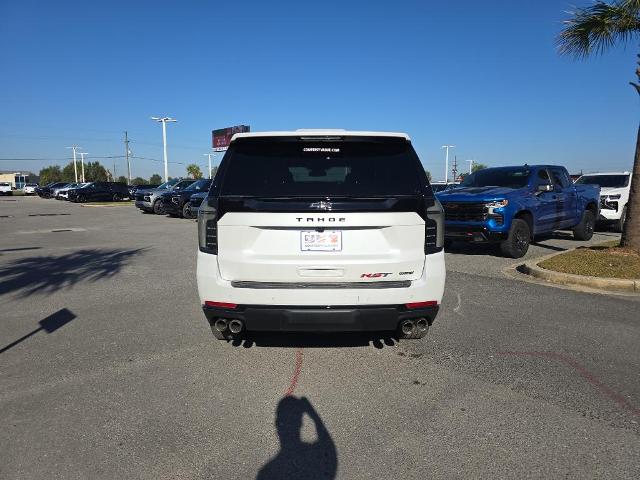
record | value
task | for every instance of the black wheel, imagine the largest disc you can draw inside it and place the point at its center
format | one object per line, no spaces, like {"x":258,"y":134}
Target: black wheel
{"x":517,"y":243}
{"x":82,"y":198}
{"x":619,"y":225}
{"x":186,"y":211}
{"x":157,"y":207}
{"x":584,"y":230}
{"x":116,"y":197}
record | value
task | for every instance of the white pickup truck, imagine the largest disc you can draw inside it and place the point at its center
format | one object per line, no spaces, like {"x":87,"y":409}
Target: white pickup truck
{"x":614,"y":195}
{"x":5,"y":188}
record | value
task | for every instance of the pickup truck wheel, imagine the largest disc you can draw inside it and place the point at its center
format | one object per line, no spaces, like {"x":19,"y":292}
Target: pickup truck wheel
{"x":517,"y":243}
{"x":81,"y":199}
{"x":157,"y":207}
{"x":584,"y":230}
{"x":619,"y":225}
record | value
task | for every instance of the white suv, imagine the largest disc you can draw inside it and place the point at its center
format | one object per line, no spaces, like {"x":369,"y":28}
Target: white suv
{"x":614,"y":195}
{"x":320,"y":231}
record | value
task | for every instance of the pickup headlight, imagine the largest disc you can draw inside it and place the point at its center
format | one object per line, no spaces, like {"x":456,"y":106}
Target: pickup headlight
{"x":498,"y":203}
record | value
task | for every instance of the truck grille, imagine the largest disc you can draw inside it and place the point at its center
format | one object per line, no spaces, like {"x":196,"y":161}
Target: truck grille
{"x":465,"y":212}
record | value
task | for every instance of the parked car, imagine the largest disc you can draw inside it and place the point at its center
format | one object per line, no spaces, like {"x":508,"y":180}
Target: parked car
{"x":5,"y":188}
{"x":142,"y":186}
{"x":320,"y":230}
{"x":511,"y":205}
{"x":30,"y":188}
{"x":177,"y":202}
{"x":150,"y":201}
{"x":614,"y":195}
{"x":195,"y":201}
{"x":62,"y":192}
{"x":99,"y":191}
{"x":47,"y":190}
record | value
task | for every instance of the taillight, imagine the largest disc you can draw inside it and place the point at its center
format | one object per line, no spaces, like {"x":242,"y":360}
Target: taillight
{"x":208,"y":226}
{"x":434,"y":228}
{"x":428,"y":303}
{"x":227,"y":305}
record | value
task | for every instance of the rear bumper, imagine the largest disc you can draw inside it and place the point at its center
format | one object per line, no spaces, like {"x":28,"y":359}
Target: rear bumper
{"x":320,"y":319}
{"x":473,"y":233}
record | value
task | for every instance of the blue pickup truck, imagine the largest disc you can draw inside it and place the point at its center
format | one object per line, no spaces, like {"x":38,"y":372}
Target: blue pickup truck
{"x":511,"y":205}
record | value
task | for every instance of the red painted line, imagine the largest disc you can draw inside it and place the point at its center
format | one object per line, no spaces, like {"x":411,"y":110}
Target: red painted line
{"x":296,"y":373}
{"x":589,"y":376}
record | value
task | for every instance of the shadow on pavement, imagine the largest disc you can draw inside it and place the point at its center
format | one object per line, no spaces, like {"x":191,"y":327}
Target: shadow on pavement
{"x":298,"y":459}
{"x":49,"y":325}
{"x":48,"y":274}
{"x":317,"y":340}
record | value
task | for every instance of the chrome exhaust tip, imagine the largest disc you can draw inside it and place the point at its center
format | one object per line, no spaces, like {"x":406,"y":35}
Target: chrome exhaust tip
{"x":406,"y":327}
{"x":221,"y":324}
{"x":422,"y":325}
{"x":235,"y":326}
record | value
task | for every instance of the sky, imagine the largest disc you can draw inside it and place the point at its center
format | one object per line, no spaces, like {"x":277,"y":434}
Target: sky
{"x":483,"y":76}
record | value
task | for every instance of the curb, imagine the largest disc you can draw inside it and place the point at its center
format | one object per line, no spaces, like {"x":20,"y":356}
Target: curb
{"x":609,"y":284}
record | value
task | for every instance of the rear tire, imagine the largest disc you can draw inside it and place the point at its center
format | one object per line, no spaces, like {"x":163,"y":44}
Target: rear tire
{"x":116,"y":197}
{"x":584,"y":230}
{"x":619,"y":225}
{"x":517,"y":243}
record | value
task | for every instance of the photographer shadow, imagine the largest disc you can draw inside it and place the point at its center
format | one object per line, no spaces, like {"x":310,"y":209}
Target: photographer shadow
{"x":296,"y":458}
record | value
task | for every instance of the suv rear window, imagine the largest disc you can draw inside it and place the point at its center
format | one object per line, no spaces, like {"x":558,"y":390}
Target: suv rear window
{"x":309,"y":167}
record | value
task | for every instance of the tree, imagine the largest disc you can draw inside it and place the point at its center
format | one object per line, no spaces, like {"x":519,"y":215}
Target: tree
{"x":122,"y":179}
{"x":94,"y":172}
{"x":155,"y":179}
{"x":138,"y":181}
{"x":428,"y":174}
{"x":593,"y":30}
{"x":69,"y":174}
{"x":194,"y":171}
{"x":477,"y":166}
{"x":50,"y":174}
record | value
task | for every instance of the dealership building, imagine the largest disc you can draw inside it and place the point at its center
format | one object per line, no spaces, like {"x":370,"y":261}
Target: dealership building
{"x":18,"y":179}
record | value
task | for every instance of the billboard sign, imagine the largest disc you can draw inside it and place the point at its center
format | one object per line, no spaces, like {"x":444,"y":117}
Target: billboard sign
{"x":222,"y":138}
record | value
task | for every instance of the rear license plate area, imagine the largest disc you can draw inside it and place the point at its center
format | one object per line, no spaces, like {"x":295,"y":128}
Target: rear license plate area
{"x":325,"y":241}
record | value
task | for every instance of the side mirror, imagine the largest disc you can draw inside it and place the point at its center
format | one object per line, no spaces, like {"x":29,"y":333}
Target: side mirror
{"x":545,"y":187}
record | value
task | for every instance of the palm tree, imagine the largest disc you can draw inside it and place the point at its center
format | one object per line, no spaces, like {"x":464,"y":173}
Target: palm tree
{"x":593,"y":30}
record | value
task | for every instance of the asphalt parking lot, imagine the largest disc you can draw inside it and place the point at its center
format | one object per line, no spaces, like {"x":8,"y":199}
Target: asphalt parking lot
{"x":108,"y":369}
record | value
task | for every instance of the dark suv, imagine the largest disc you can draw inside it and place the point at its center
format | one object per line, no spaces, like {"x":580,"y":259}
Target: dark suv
{"x":99,"y":191}
{"x":177,"y":203}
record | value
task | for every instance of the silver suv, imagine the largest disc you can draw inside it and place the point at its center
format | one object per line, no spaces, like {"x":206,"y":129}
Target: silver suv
{"x":149,"y":200}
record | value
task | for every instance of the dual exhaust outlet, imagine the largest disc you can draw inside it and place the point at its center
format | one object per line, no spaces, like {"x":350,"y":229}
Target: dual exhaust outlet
{"x":414,"y":328}
{"x":235,"y":326}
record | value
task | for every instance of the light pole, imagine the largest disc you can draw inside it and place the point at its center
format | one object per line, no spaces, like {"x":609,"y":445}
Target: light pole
{"x":446,"y":162}
{"x":209,"y":155}
{"x":82,"y":154}
{"x":470,"y":165}
{"x":164,"y":121}
{"x":75,"y":168}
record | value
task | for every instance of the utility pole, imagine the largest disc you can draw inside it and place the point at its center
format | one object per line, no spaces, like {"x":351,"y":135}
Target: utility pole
{"x":164,"y":121}
{"x":209,"y":155}
{"x":126,"y":152}
{"x":470,"y":165}
{"x":446,"y":165}
{"x":82,"y":154}
{"x":75,"y":168}
{"x":454,"y":169}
